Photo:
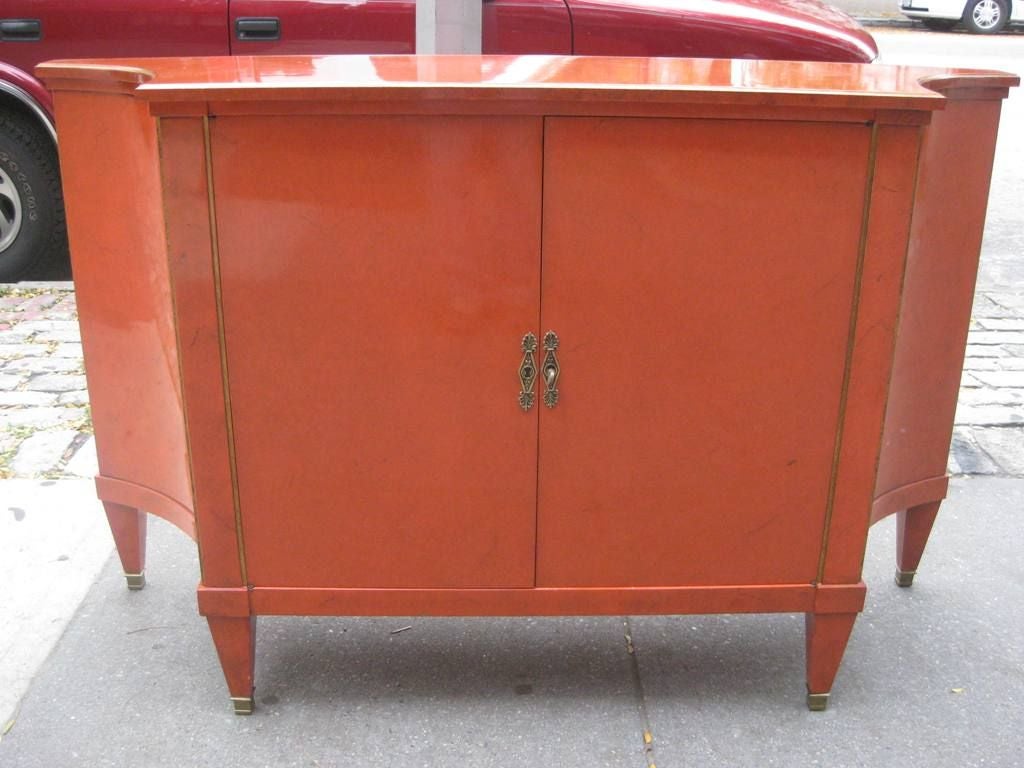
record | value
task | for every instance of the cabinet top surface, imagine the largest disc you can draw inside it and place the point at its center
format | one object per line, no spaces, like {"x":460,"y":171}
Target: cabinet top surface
{"x":532,"y":78}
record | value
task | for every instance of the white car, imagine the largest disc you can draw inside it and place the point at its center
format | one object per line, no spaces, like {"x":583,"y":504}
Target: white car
{"x":984,"y":17}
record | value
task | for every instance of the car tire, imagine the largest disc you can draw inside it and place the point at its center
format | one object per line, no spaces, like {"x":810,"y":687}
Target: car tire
{"x":985,"y":17}
{"x":940,"y":25}
{"x":33,"y":235}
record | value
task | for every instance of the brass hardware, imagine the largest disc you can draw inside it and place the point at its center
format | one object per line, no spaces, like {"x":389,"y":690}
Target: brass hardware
{"x":551,"y":369}
{"x":904,"y":578}
{"x":817,"y":702}
{"x":527,"y":372}
{"x":243,"y":704}
{"x":135,"y":581}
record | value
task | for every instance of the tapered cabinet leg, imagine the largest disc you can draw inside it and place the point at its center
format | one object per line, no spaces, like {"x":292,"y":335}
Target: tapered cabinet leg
{"x":235,"y":639}
{"x":912,"y":529}
{"x":128,"y":526}
{"x":827,"y":635}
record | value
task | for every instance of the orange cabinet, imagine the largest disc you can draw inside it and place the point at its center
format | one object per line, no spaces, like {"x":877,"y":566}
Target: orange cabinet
{"x":504,"y":336}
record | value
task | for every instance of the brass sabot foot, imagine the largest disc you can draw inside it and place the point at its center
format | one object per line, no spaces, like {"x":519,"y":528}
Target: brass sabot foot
{"x":817,"y":702}
{"x":243,"y":704}
{"x":135,"y":581}
{"x":904,"y":578}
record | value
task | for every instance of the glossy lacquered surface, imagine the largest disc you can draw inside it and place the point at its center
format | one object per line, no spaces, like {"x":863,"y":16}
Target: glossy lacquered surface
{"x":720,"y":247}
{"x":423,"y":270}
{"x":128,"y":336}
{"x":672,"y":354}
{"x":511,"y":84}
{"x":735,"y":28}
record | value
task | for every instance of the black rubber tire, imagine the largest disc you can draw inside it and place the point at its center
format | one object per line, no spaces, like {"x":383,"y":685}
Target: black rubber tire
{"x":940,"y":25}
{"x":29,"y":159}
{"x":972,"y":25}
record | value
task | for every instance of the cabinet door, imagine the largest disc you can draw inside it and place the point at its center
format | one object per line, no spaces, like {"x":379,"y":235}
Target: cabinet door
{"x":378,"y":274}
{"x":700,"y":276}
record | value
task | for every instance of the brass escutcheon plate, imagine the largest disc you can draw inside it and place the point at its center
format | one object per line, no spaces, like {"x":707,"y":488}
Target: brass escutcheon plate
{"x":527,"y":372}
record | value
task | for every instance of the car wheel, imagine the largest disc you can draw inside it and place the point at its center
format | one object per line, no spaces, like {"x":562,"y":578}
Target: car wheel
{"x":985,"y":17}
{"x":940,"y":25}
{"x":32,"y":229}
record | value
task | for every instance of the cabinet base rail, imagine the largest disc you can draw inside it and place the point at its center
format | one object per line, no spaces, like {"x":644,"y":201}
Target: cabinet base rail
{"x":830,"y":612}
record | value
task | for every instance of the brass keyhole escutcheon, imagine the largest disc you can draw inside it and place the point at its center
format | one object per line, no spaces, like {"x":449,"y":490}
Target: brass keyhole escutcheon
{"x":551,"y":369}
{"x":527,"y":372}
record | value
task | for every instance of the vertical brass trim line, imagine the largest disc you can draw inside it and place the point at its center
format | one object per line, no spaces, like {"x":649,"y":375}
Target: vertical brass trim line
{"x":850,"y":342}
{"x":228,"y":418}
{"x":921,"y":131}
{"x":540,"y":313}
{"x":177,"y":343}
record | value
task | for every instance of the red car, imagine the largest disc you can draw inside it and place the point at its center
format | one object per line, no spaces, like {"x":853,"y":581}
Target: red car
{"x":32,"y":231}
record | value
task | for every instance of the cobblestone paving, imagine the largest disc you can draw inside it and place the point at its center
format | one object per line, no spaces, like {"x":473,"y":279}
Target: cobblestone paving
{"x":989,"y":435}
{"x":45,"y":430}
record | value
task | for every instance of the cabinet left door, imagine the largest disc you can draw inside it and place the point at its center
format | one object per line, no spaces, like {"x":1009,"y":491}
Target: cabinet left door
{"x":377,"y":276}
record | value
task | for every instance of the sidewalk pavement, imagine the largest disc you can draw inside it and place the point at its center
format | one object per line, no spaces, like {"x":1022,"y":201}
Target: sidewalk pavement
{"x":872,"y":10}
{"x":933,"y":675}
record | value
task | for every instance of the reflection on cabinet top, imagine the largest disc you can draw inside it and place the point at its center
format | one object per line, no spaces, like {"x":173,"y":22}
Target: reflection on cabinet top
{"x":221,"y":85}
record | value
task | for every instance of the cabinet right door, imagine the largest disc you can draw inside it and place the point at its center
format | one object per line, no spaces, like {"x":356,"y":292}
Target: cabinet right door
{"x":701,"y":276}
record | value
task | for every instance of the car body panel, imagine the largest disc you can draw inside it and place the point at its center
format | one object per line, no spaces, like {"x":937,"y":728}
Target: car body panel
{"x":526,"y":26}
{"x":75,"y":29}
{"x":26,"y":89}
{"x":328,"y":26}
{"x":718,"y":28}
{"x":780,"y":29}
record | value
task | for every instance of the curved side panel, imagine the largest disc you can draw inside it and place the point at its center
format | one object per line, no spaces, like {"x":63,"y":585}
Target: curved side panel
{"x":143,"y":498}
{"x":118,"y":253}
{"x":907,"y":496}
{"x":942,"y":264}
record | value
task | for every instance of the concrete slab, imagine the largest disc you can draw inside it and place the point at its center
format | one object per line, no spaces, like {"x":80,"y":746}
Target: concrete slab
{"x":54,"y":539}
{"x":932,"y":677}
{"x":135,"y":681}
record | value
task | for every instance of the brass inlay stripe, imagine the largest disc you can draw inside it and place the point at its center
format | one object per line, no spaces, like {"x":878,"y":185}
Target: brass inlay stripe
{"x":850,"y":342}
{"x":221,"y":338}
{"x":177,"y":342}
{"x":899,"y":316}
{"x":544,"y":124}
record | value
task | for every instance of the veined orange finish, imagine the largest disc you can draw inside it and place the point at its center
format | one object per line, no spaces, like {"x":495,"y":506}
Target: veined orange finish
{"x":355,"y":247}
{"x":123,"y":295}
{"x":704,"y":302}
{"x":388,"y":330}
{"x":545,"y":78}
